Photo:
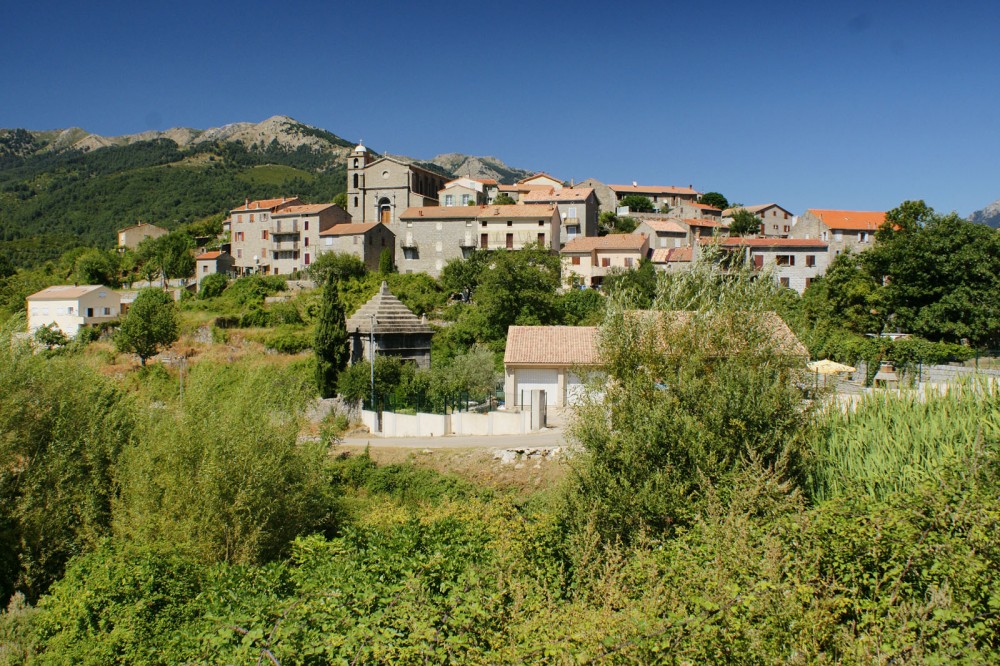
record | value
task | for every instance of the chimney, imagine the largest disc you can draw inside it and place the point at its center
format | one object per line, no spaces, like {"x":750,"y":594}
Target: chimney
{"x":246,"y":203}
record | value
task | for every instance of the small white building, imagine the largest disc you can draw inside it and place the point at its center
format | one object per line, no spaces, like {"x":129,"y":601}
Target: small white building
{"x":69,"y":307}
{"x":550,"y":358}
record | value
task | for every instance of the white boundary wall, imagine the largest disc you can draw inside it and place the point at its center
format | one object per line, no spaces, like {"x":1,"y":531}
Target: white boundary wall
{"x":459,"y":423}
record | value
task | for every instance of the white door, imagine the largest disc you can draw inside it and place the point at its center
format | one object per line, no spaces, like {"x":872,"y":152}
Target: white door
{"x":529,"y":379}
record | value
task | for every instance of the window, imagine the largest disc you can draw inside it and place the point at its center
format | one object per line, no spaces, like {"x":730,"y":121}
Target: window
{"x":263,"y":234}
{"x":69,"y":310}
{"x":305,"y":225}
{"x":863,"y":236}
{"x":483,"y":223}
{"x":328,"y":241}
{"x":784,"y":282}
{"x":571,"y":211}
{"x":410,"y":253}
{"x":628,"y":262}
{"x":307,"y":259}
{"x":605,"y":262}
{"x":809,"y":281}
{"x":90,"y":312}
{"x":509,"y":223}
{"x":251,"y":217}
{"x":510,"y":241}
{"x":825,"y":235}
{"x":575,"y":261}
{"x":355,"y":202}
{"x":810,"y":260}
{"x":204,"y":269}
{"x":449,"y":200}
{"x":465,"y":199}
{"x":785,"y":260}
{"x":785,"y":228}
{"x":541,"y":223}
{"x":239,"y":253}
{"x":355,"y":240}
{"x":355,"y":162}
{"x":306,"y":241}
{"x":107,"y":312}
{"x":355,"y":181}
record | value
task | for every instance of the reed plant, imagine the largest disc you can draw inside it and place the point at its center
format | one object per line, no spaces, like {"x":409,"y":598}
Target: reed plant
{"x":892,"y":441}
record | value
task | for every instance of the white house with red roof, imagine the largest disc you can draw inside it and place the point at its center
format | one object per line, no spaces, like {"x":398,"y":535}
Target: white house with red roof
{"x":841,"y":229}
{"x":553,"y":359}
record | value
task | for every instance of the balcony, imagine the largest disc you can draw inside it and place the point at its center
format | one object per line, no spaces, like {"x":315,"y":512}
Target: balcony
{"x":408,"y":241}
{"x":286,"y":227}
{"x":468,"y":241}
{"x":286,"y":243}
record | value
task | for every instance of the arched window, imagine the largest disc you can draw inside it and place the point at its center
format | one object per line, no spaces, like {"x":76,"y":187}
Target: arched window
{"x":355,"y":179}
{"x":355,"y":164}
{"x":355,"y":202}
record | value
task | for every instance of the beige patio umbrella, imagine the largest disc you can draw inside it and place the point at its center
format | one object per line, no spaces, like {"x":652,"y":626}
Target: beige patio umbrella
{"x":828,"y":367}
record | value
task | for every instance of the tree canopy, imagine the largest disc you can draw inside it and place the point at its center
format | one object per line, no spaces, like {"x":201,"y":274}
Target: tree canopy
{"x":744,"y":223}
{"x":149,"y":326}
{"x":637,"y":203}
{"x":715,"y":199}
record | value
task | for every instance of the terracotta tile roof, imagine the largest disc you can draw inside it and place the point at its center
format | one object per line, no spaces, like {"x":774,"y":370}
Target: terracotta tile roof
{"x":205,"y":256}
{"x":478,"y":212}
{"x":267,"y":204}
{"x":665,"y":226}
{"x":303,"y":209}
{"x":703,"y":222}
{"x":552,"y":345}
{"x":540,"y":174}
{"x":854,"y":220}
{"x":351,"y":229}
{"x":753,"y":209}
{"x":669,"y":255}
{"x":517,"y":187}
{"x":653,"y":189}
{"x":739,"y":241}
{"x":142,"y":224}
{"x":486,"y":181}
{"x":702,"y":206}
{"x":610,"y":242}
{"x":565,"y":194}
{"x":62,"y":292}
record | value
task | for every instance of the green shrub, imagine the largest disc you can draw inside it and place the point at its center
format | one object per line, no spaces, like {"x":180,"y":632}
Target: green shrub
{"x":283,"y":313}
{"x":288,"y":340}
{"x":213,"y":285}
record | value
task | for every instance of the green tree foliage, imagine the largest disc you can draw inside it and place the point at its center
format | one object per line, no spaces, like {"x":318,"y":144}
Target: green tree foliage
{"x":695,"y":389}
{"x":941,"y":275}
{"x":610,"y":223}
{"x":50,"y":336}
{"x":715,"y":199}
{"x":744,"y":223}
{"x":385,"y":263}
{"x":637,"y":203}
{"x":64,"y":429}
{"x":355,"y":383}
{"x":341,"y":200}
{"x":341,"y":265}
{"x":212,"y":285}
{"x":98,"y":267}
{"x":171,"y":255}
{"x":503,"y":199}
{"x":581,"y":307}
{"x":224,"y":479}
{"x":331,"y":343}
{"x":634,"y":285}
{"x":149,"y":326}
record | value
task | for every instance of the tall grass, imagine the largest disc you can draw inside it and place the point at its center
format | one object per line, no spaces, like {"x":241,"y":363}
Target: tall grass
{"x":891,"y":442}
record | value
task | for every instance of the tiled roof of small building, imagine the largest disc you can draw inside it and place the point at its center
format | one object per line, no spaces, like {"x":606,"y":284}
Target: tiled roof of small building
{"x":551,"y":345}
{"x":669,"y":255}
{"x":391,"y":316}
{"x":609,"y":242}
{"x":854,"y":220}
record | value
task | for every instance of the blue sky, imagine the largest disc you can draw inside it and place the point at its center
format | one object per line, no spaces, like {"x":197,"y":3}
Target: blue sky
{"x":848,"y":104}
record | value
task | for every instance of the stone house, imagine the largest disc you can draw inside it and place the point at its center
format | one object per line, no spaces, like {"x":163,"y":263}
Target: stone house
{"x":465,"y":192}
{"x":794,"y":262}
{"x":587,"y":260}
{"x":279,"y":236}
{"x":130,"y":237}
{"x":69,"y":307}
{"x":378,"y":190}
{"x":393,"y":328}
{"x":606,"y":199}
{"x":664,"y":232}
{"x":578,"y":209}
{"x":775,"y":221}
{"x":365,"y":241}
{"x":841,"y":229}
{"x":431,"y":236}
{"x":208,"y":263}
{"x":672,"y":258}
{"x":662,"y":196}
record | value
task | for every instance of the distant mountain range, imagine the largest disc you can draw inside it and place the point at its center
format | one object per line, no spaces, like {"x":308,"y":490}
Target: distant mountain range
{"x":64,"y":188}
{"x":990,"y":216}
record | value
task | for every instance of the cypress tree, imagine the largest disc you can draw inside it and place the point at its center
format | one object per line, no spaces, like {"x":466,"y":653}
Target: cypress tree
{"x":385,"y":265}
{"x":331,"y":340}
